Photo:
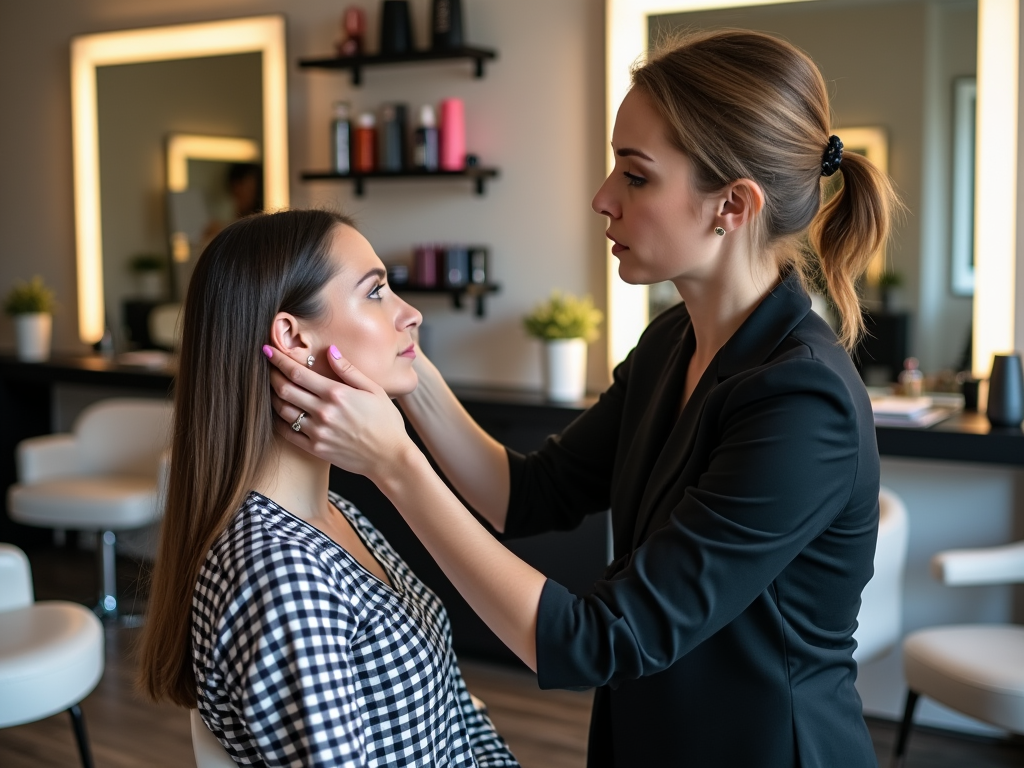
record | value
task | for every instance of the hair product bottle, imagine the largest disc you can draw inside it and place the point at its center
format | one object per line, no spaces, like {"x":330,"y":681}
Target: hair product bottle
{"x":364,"y":147}
{"x":395,"y":27}
{"x":446,"y":24}
{"x":425,"y":265}
{"x":453,"y":135}
{"x":341,"y":136}
{"x":425,"y":156}
{"x":353,"y":27}
{"x":392,"y":137}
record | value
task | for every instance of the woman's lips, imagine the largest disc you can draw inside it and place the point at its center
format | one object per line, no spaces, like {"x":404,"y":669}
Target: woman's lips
{"x":409,"y":352}
{"x":617,"y":247}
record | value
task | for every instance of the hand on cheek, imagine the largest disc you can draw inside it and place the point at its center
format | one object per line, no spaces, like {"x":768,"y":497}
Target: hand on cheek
{"x":350,"y":423}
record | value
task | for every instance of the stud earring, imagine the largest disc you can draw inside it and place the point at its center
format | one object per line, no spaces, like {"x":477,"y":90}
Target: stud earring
{"x":719,"y":231}
{"x":310,"y":360}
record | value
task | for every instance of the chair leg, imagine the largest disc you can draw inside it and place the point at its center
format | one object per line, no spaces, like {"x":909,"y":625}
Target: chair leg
{"x":904,"y":734}
{"x":78,"y":723}
{"x":107,"y":608}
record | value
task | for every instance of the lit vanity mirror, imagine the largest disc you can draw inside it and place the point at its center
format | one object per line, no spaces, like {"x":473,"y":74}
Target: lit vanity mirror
{"x":177,"y":131}
{"x":899,"y":70}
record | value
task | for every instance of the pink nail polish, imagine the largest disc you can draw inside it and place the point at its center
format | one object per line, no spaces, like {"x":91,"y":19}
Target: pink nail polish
{"x":334,"y":352}
{"x":268,"y":351}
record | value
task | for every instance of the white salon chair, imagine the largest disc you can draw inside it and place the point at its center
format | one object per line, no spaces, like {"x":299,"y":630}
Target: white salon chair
{"x":165,"y":325}
{"x":976,"y":669}
{"x":106,"y":476}
{"x":209,"y":753}
{"x":880,"y":620}
{"x":51,"y":652}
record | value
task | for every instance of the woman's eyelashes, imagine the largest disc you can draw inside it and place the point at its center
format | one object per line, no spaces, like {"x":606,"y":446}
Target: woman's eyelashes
{"x":632,"y":180}
{"x":375,"y":293}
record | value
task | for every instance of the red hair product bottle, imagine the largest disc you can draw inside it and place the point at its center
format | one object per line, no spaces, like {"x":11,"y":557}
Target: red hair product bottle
{"x":364,"y":145}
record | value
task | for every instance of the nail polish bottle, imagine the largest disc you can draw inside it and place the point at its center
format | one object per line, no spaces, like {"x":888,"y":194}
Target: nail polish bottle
{"x":425,"y":156}
{"x":341,"y":135}
{"x":453,"y":135}
{"x":364,"y":147}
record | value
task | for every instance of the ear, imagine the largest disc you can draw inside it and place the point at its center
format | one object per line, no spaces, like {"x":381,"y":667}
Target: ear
{"x":291,"y":336}
{"x":739,"y":203}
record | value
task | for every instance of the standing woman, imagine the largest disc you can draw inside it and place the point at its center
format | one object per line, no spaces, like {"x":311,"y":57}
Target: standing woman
{"x":735,"y":446}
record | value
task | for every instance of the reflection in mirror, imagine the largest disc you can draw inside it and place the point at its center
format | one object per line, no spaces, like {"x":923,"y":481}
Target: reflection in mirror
{"x":139,"y":106}
{"x":132,"y":93}
{"x":211,"y":181}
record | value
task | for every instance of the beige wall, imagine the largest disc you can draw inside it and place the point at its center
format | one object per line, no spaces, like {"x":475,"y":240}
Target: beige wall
{"x":539,"y":115}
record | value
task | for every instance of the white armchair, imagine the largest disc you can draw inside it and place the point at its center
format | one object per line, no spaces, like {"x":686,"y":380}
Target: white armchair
{"x":208,"y":751}
{"x":976,"y":669}
{"x":880,"y":620}
{"x":51,"y":652}
{"x":107,"y":476}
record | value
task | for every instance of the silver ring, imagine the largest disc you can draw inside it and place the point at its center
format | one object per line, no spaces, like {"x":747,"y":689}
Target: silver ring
{"x":297,"y":424}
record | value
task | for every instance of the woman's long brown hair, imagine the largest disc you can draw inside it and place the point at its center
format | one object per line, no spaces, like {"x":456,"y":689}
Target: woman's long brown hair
{"x":223,"y":421}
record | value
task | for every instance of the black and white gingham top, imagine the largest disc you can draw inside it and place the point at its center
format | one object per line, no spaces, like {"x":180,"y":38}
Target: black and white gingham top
{"x":303,"y":658}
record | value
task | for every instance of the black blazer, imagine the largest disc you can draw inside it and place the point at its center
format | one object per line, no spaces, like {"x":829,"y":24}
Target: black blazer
{"x":744,"y":531}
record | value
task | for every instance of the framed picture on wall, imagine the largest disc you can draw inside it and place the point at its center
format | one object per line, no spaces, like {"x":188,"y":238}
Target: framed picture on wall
{"x":965,"y":97}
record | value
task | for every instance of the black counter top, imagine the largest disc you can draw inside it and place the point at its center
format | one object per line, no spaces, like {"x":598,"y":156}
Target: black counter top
{"x":93,"y":369}
{"x":963,"y":437}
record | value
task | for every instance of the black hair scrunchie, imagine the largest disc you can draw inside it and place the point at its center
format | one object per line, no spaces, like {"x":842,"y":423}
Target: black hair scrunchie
{"x":833,"y":156}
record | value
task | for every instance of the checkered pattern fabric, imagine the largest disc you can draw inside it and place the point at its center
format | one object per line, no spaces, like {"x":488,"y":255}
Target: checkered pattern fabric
{"x":303,"y":658}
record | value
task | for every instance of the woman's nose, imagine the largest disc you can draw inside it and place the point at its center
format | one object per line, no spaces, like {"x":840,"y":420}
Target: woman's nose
{"x":604,"y":201}
{"x":408,"y":316}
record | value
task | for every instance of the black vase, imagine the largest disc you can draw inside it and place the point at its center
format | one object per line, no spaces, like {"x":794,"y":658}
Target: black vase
{"x":1006,"y":391}
{"x":395,"y":27}
{"x":446,"y":24}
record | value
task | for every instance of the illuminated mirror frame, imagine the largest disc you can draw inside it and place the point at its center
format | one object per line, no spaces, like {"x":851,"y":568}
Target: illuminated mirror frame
{"x":261,"y":34}
{"x":995,"y":205}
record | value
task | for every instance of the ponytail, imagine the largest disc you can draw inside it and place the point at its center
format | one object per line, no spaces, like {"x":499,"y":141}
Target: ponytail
{"x":849,"y":230}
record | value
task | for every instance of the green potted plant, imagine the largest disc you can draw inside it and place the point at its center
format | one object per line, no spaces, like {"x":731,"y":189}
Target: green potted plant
{"x":31,"y":305}
{"x":148,"y":269}
{"x":889,"y":282}
{"x":566,"y":324}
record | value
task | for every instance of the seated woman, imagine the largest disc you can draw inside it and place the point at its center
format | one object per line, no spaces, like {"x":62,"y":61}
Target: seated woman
{"x":276,"y":607}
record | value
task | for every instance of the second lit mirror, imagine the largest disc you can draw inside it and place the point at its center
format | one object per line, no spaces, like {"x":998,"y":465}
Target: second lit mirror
{"x":150,"y":107}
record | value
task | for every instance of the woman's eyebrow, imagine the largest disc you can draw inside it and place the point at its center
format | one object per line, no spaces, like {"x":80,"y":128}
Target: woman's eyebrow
{"x":628,"y":152}
{"x":376,"y":272}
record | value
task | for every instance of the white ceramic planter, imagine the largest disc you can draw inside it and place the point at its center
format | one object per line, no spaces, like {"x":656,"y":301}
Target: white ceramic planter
{"x":565,"y":369}
{"x":33,"y":331}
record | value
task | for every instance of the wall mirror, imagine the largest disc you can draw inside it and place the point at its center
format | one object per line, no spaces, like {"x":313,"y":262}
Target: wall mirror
{"x":904,"y":83}
{"x":161,"y":117}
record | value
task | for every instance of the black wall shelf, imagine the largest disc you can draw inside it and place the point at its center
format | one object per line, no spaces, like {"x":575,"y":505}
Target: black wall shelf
{"x":473,"y":173}
{"x":475,"y":291}
{"x":357,"y":63}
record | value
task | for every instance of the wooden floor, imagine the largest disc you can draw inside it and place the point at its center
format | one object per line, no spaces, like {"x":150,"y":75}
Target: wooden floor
{"x":545,"y":729}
